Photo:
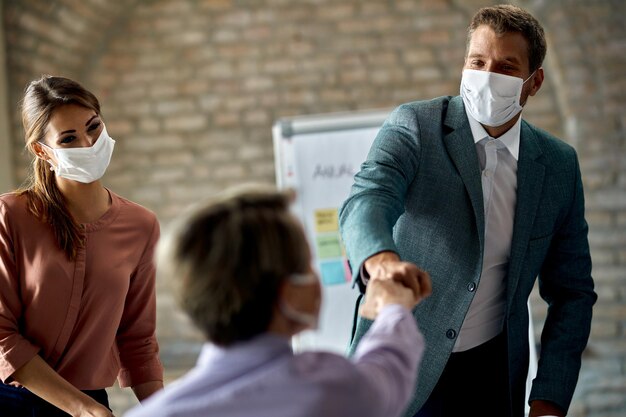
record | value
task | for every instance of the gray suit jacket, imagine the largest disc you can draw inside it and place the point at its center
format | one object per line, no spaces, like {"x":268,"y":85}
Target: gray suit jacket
{"x":419,"y":194}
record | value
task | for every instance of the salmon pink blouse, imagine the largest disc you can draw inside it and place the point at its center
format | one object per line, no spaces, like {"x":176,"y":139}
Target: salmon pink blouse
{"x":93,"y":319}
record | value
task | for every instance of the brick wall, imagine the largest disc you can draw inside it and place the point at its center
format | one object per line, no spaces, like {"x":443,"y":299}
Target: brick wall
{"x":588,"y":57}
{"x":190,"y":89}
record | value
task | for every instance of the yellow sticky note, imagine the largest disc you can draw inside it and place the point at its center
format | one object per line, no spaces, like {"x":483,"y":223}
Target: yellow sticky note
{"x":326,"y":220}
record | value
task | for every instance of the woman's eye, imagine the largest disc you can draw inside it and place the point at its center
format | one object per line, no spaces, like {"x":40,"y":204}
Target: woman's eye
{"x":93,"y":126}
{"x":68,"y":139}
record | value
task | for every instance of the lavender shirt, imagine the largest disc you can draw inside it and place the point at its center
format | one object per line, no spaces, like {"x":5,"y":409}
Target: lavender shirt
{"x":263,"y":377}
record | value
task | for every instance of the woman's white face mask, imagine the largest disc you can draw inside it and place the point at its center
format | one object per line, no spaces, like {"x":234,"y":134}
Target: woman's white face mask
{"x":491,"y":98}
{"x":84,"y":165}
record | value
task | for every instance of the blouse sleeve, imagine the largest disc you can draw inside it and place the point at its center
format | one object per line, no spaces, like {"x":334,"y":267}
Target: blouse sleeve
{"x":15,"y":350}
{"x":136,"y":338}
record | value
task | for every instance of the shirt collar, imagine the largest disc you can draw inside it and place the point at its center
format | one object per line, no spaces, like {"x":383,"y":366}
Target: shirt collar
{"x":510,"y":138}
{"x":261,"y":348}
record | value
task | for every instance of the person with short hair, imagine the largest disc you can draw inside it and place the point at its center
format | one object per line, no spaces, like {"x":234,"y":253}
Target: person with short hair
{"x":463,"y":188}
{"x":77,"y":277}
{"x":242,"y":268}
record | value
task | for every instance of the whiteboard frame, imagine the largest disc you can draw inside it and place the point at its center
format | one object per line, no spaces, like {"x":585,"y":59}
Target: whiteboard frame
{"x":286,"y":128}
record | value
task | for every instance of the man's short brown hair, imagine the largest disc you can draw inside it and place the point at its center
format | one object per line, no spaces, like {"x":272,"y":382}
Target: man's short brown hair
{"x":505,"y":18}
{"x":230,"y":257}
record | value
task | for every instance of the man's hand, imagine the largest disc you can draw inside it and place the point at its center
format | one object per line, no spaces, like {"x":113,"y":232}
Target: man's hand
{"x":540,"y":408}
{"x":387,"y":265}
{"x":393,"y":282}
{"x":382,"y":292}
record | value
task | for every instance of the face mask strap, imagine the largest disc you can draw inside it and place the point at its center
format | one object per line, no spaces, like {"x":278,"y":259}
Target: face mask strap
{"x":303,"y":278}
{"x":306,"y":319}
{"x":531,"y":75}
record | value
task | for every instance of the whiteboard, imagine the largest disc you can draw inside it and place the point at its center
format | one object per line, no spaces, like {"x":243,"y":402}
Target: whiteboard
{"x":318,"y":156}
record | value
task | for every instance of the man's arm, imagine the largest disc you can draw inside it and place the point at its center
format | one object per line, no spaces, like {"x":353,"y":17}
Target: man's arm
{"x":377,"y":197}
{"x":565,"y":283}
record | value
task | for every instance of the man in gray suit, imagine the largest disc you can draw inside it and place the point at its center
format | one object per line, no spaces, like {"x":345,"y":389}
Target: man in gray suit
{"x":463,"y":192}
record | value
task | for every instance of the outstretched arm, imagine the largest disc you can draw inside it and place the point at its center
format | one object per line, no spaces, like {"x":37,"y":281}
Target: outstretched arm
{"x":389,"y":354}
{"x":377,"y":197}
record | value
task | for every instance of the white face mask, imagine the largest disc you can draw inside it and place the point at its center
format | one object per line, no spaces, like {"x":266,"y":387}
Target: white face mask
{"x":491,"y":98}
{"x":84,"y":165}
{"x":309,"y":320}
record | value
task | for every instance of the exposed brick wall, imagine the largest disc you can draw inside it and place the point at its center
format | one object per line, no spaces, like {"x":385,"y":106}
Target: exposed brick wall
{"x":52,"y":37}
{"x":587,"y":47}
{"x":190,"y":89}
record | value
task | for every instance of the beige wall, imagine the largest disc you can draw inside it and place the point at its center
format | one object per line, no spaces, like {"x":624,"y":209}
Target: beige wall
{"x":6,"y":163}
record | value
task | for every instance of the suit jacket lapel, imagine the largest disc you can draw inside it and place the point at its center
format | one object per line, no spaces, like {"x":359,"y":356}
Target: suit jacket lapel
{"x":460,"y":146}
{"x":530,"y":174}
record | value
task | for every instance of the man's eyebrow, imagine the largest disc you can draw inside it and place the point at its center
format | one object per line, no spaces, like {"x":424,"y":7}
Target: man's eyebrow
{"x":512,"y":59}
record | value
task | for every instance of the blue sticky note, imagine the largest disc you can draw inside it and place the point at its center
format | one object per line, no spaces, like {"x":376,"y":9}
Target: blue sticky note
{"x":333,"y":272}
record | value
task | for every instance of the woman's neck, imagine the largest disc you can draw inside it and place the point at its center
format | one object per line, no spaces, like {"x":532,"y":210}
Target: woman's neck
{"x":86,"y":202}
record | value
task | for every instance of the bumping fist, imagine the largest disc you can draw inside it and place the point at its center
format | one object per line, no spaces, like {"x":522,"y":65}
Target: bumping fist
{"x":393,"y":282}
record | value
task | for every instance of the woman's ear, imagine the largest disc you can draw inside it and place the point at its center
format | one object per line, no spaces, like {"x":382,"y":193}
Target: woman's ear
{"x":39,"y":151}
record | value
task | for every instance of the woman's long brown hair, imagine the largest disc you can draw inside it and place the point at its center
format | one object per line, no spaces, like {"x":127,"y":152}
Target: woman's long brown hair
{"x":44,"y":199}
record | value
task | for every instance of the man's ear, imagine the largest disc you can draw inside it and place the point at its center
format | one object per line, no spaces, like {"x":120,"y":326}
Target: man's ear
{"x":537,"y":81}
{"x":285,"y":291}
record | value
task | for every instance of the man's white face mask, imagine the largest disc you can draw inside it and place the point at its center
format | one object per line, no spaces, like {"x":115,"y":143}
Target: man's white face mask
{"x":309,"y":320}
{"x":491,"y":98}
{"x":84,"y":165}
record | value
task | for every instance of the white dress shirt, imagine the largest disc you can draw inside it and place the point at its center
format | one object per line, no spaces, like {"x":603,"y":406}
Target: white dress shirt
{"x":498,"y":162}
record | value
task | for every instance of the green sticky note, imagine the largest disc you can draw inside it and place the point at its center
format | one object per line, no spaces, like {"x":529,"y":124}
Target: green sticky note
{"x":328,"y":246}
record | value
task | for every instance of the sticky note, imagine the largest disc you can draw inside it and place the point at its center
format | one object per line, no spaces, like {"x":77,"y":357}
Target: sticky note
{"x":328,"y":246}
{"x":326,"y":220}
{"x":333,"y":272}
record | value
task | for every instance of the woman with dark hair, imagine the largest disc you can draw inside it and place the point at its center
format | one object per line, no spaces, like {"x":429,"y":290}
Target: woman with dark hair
{"x":243,"y":268}
{"x":77,"y":277}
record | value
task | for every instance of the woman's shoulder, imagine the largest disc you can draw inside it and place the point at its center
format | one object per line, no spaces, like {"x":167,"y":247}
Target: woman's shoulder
{"x":15,"y":215}
{"x":13,"y":202}
{"x":134,"y":214}
{"x":13,"y":199}
{"x":133,"y":208}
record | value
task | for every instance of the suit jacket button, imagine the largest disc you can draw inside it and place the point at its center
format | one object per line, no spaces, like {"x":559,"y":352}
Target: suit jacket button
{"x":471,"y":287}
{"x":451,"y":334}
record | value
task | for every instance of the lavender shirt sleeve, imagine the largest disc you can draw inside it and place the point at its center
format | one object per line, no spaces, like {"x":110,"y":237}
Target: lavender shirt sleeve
{"x":388,"y":357}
